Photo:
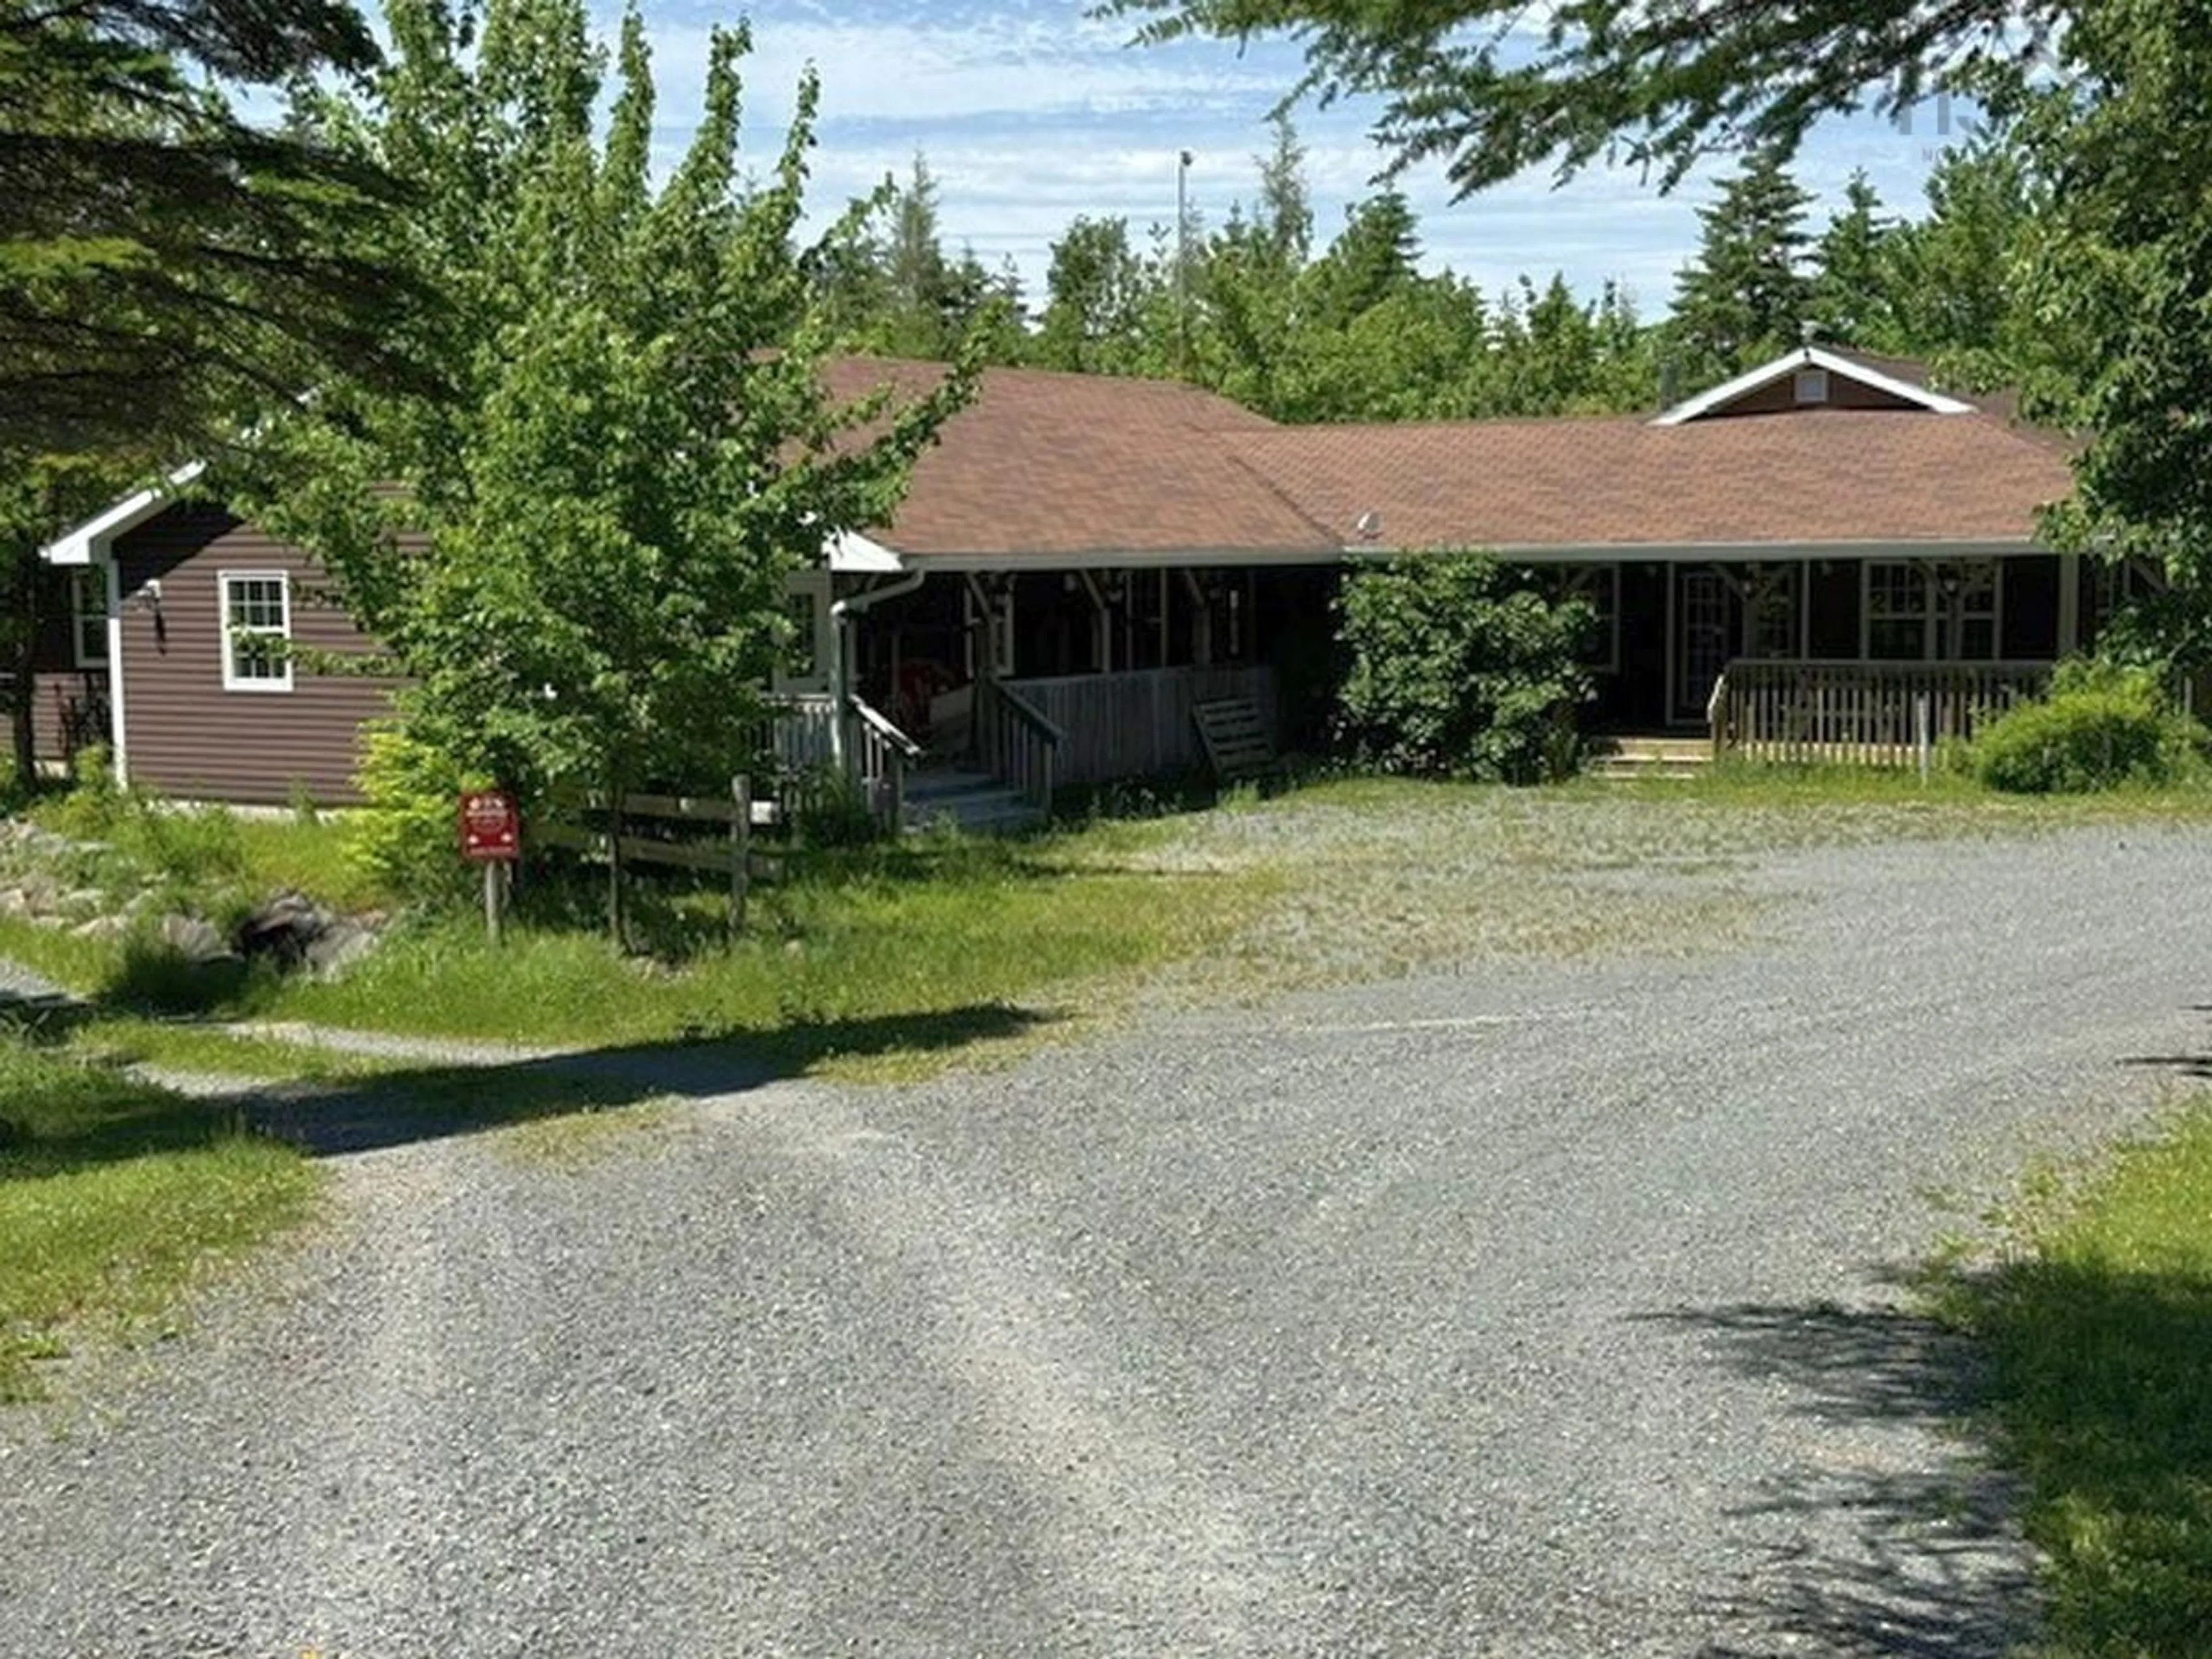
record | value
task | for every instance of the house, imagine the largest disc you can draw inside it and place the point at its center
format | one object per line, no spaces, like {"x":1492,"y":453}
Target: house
{"x":1080,"y":559}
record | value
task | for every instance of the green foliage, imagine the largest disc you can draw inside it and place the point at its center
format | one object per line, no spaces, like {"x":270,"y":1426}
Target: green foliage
{"x":2101,"y":727}
{"x":405,"y":840}
{"x":637,"y":447}
{"x":114,"y":1196}
{"x":162,"y":261}
{"x":1616,"y":81}
{"x":2099,"y":1338}
{"x":1746,"y":294}
{"x":1459,"y":668}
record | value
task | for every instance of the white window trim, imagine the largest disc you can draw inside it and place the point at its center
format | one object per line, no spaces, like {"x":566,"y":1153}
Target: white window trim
{"x":1933,"y":618}
{"x":83,"y":578}
{"x":232,"y":680}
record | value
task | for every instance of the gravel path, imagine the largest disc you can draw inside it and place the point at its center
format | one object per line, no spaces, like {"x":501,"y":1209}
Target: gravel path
{"x":1541,"y":1309}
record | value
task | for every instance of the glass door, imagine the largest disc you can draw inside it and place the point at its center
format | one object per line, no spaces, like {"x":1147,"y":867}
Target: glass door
{"x":1704,"y":639}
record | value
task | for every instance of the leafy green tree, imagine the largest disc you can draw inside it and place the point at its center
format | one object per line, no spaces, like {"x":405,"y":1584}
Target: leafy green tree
{"x":1953,"y":278}
{"x":1746,"y":295}
{"x":1375,"y":255}
{"x":1098,"y":289}
{"x":1459,"y":668}
{"x":581,"y":568}
{"x":164,"y":265}
{"x":2120,"y":273}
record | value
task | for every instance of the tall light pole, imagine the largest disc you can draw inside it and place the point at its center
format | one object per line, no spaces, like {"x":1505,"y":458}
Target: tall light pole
{"x":1183,"y":257}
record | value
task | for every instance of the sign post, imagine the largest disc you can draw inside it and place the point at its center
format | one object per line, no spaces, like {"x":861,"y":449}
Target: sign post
{"x":491,"y":836}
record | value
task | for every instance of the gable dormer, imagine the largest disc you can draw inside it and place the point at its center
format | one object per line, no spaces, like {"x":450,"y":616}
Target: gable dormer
{"x":1811,"y":377}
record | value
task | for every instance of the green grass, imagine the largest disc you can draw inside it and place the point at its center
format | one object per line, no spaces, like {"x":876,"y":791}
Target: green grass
{"x":2099,"y":1336}
{"x":114,"y":1197}
{"x":1774,"y":785}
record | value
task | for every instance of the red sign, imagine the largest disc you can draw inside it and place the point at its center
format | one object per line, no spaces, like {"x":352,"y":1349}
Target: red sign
{"x":491,"y":826}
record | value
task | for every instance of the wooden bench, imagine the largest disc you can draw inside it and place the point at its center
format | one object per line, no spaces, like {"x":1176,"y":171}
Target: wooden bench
{"x":1235,"y":736}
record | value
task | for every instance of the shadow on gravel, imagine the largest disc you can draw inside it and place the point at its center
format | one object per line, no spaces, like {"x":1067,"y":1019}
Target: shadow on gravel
{"x":425,"y":1103}
{"x":1877,"y":1562}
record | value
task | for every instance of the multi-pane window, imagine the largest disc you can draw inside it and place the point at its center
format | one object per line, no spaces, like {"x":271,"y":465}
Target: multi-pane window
{"x":88,"y":615}
{"x":257,"y":618}
{"x":1920,"y":612}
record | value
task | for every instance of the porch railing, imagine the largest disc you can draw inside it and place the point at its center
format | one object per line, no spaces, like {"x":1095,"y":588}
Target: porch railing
{"x":1860,"y":713}
{"x":1016,"y":742}
{"x":1137,"y":724}
{"x":878,"y":754}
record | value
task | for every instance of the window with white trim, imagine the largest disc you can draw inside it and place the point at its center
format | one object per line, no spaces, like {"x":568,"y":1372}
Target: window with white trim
{"x":88,"y":615}
{"x":1919,"y":612}
{"x":257,"y":627}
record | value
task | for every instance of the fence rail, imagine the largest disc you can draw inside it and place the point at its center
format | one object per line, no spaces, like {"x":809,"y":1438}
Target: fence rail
{"x":708,"y":833}
{"x":1860,"y":713}
{"x":1016,"y":743}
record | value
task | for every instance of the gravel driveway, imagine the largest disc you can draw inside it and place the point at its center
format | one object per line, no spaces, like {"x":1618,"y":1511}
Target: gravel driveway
{"x":1537,"y":1310}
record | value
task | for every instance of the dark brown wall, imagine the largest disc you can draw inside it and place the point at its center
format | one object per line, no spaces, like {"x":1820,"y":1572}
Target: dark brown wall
{"x":1835,"y":596}
{"x":2031,"y":609}
{"x":187,"y":736}
{"x":1781,"y":397}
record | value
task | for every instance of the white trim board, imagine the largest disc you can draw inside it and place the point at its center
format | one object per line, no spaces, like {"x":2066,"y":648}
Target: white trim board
{"x":1756,"y":379}
{"x":89,"y":542}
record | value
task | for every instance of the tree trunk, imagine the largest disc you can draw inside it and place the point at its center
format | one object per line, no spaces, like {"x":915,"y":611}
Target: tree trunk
{"x":21,"y":631}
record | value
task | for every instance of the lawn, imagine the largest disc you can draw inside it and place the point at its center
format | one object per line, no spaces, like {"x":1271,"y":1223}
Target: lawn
{"x":2098,"y":1329}
{"x":114,"y":1197}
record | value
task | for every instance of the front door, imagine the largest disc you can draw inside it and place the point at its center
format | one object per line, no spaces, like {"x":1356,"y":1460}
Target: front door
{"x":1704,"y":640}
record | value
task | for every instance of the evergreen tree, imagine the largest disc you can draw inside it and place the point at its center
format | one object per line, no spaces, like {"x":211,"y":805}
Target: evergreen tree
{"x":1747,"y":296}
{"x":1852,"y":298}
{"x":164,"y":265}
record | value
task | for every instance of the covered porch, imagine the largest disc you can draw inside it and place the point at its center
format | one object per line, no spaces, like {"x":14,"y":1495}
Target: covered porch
{"x":1827,"y":652}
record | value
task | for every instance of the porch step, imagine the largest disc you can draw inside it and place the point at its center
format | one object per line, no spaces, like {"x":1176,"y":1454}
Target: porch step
{"x":1624,"y":758}
{"x":976,"y":802}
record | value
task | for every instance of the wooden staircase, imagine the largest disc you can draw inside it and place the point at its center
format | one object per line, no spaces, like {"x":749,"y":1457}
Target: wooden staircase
{"x":1626,"y":758}
{"x":973,"y":801}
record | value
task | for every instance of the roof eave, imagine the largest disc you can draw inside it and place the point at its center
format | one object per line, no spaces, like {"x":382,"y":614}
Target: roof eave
{"x":88,"y":543}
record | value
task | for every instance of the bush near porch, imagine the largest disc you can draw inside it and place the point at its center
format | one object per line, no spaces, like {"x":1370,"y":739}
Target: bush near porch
{"x":2102,"y":725}
{"x":1460,"y":669}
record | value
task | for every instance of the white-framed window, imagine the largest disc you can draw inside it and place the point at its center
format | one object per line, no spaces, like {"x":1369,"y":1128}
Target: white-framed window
{"x":88,"y":615}
{"x":257,"y":627}
{"x":1915,"y":611}
{"x":805,"y":663}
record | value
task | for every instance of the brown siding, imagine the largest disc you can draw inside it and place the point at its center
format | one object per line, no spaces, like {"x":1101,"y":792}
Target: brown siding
{"x":1780,"y":397}
{"x":186,"y":735}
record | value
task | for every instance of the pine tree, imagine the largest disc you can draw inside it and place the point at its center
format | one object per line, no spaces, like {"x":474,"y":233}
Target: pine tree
{"x":1851,"y":299}
{"x":1747,"y":296}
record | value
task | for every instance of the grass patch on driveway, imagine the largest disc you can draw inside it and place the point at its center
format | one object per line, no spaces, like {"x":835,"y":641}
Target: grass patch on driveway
{"x":114,"y":1196}
{"x":2099,"y":1336}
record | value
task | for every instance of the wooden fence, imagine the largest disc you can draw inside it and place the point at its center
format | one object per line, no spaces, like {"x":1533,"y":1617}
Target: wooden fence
{"x":1137,"y":725}
{"x":714,"y":835}
{"x":1860,"y":713}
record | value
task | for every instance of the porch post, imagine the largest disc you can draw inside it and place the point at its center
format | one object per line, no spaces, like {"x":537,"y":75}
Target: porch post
{"x":2069,"y":604}
{"x":1201,"y":621}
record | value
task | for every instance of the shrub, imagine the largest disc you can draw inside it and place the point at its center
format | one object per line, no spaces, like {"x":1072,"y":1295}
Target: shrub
{"x":1459,"y":668}
{"x":2102,"y":725}
{"x":406,"y":839}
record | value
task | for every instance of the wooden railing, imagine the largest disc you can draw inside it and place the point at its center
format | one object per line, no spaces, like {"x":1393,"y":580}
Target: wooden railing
{"x":877,"y":752}
{"x":798,"y":732}
{"x":1015,"y":743}
{"x":1860,"y":713}
{"x":1137,"y":724}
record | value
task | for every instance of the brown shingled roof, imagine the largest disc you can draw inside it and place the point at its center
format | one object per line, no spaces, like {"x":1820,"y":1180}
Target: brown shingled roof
{"x":1047,"y":467}
{"x":1810,"y":476}
{"x":1045,"y":463}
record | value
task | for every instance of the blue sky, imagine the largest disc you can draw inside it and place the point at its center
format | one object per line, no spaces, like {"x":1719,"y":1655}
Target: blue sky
{"x":1029,"y":114}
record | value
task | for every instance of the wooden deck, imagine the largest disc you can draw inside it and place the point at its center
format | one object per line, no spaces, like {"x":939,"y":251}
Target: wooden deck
{"x":1860,"y":714}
